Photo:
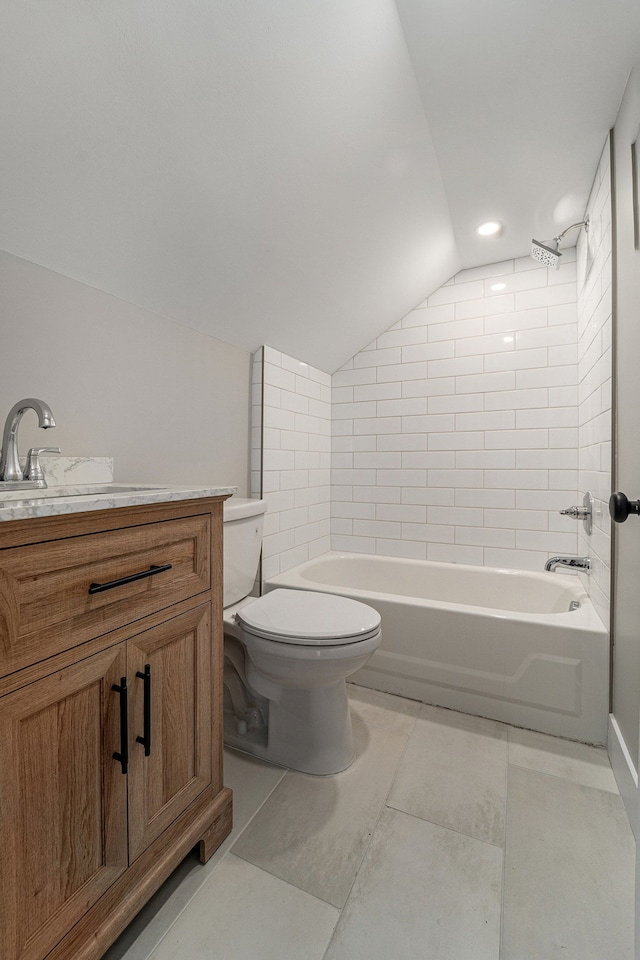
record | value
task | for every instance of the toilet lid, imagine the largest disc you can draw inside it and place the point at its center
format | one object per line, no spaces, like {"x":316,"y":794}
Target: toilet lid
{"x":303,"y":616}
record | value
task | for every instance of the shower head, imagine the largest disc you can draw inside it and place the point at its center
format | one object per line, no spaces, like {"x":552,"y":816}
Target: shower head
{"x":550,"y":256}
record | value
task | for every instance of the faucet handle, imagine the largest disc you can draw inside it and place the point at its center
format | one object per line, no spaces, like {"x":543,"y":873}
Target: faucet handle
{"x":577,"y":512}
{"x":584,"y":513}
{"x":33,"y":469}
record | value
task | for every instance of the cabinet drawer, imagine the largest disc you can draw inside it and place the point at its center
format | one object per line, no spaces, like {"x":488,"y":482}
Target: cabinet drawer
{"x":45,"y":603}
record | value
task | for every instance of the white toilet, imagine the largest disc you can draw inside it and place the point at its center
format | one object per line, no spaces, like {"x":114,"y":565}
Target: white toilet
{"x":287,"y":655}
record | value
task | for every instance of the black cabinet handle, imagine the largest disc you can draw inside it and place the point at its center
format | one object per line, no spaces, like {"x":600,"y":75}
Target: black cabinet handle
{"x":620,"y":507}
{"x":151,"y":572}
{"x":123,"y":756}
{"x":145,"y":739}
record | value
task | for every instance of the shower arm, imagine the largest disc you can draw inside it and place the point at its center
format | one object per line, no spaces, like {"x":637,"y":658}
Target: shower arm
{"x":580,"y":223}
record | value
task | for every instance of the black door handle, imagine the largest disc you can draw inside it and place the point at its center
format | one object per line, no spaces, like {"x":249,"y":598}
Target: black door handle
{"x":620,"y":507}
{"x":145,"y":739}
{"x":123,"y":756}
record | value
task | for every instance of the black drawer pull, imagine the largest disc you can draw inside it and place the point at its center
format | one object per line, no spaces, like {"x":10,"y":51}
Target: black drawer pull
{"x":123,"y":756}
{"x":145,"y":739}
{"x":151,"y":572}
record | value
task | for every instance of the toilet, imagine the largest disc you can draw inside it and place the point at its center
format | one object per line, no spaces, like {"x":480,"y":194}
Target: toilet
{"x":287,"y":655}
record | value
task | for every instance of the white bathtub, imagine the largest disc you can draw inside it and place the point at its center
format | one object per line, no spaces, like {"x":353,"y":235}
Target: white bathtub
{"x":497,"y":643}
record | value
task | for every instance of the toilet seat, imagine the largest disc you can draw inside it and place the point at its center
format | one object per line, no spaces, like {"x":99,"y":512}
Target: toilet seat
{"x":309,"y":617}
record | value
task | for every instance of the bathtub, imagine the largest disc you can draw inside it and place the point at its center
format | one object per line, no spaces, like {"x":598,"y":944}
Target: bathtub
{"x":525,"y":648}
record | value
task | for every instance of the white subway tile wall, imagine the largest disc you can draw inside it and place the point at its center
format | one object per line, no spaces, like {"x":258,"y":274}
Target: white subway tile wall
{"x":456,"y":432}
{"x":594,"y":381}
{"x":295,"y":459}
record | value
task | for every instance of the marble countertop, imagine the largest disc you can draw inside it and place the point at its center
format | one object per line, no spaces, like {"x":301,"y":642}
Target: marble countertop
{"x":58,"y":500}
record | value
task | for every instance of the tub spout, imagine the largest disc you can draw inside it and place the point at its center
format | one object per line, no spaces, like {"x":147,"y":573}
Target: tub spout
{"x":574,"y":563}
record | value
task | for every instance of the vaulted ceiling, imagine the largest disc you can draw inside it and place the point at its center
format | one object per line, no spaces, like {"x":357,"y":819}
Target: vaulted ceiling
{"x":298,"y":174}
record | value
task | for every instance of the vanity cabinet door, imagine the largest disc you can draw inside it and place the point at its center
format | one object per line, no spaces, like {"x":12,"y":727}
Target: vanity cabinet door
{"x":63,"y":824}
{"x":170,"y":761}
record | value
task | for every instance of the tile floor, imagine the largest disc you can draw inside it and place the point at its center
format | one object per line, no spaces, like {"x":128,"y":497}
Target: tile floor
{"x":450,"y":838}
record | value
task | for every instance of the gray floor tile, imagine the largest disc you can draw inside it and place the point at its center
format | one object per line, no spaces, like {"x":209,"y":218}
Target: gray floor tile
{"x":569,"y":872}
{"x":562,"y":758}
{"x":252,"y":781}
{"x":313,"y":831}
{"x":422,"y":892}
{"x":453,"y":773}
{"x":382,"y":709}
{"x":241,"y":912}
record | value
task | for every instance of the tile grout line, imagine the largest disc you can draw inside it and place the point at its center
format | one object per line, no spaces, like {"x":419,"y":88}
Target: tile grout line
{"x":440,"y":826}
{"x":387,"y":729}
{"x":267,"y":873}
{"x":215,"y":867}
{"x":383,"y":806}
{"x":274,"y":876}
{"x":572,"y":780}
{"x":504,"y":849}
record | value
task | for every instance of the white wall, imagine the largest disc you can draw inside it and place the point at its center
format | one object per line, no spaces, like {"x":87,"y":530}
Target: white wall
{"x":296,"y":452}
{"x":169,"y":404}
{"x":455,"y":433}
{"x":233,"y":166}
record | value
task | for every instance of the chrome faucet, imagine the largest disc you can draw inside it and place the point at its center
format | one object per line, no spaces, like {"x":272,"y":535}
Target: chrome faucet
{"x":574,"y":563}
{"x":10,"y":469}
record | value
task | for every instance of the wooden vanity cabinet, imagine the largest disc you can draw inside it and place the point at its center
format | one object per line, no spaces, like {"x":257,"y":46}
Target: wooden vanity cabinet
{"x":111,"y":738}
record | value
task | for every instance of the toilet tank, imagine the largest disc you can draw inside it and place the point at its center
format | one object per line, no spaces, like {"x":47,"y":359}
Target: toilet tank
{"x":243,"y":522}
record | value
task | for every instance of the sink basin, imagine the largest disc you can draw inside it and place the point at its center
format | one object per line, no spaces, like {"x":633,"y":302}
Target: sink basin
{"x":80,"y":490}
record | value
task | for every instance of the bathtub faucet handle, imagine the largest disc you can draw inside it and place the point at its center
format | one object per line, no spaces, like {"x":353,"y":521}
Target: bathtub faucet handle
{"x":584,"y":513}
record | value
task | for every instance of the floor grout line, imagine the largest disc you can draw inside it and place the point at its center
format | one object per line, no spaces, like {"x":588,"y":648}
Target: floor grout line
{"x":441,"y":826}
{"x":503,"y":884}
{"x":407,"y":735}
{"x":556,"y":776}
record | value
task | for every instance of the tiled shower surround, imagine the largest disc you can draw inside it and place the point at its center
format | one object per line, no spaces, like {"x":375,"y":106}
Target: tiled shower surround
{"x":594,"y":381}
{"x":455,"y":433}
{"x":295,"y":436}
{"x":462,"y":431}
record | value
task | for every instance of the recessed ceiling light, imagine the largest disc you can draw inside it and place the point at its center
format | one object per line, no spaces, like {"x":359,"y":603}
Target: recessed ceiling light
{"x":498,"y":286}
{"x":489,"y":228}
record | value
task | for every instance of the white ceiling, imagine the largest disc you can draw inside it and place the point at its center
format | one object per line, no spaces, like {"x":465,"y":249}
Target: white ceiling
{"x":298,"y":174}
{"x":519,"y":96}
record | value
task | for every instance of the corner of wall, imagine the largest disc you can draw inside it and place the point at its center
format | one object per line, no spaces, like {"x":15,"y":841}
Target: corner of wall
{"x":595,"y":381}
{"x":295,"y":403}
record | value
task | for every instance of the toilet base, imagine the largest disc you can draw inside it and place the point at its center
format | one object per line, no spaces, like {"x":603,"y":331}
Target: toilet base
{"x":307,"y":730}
